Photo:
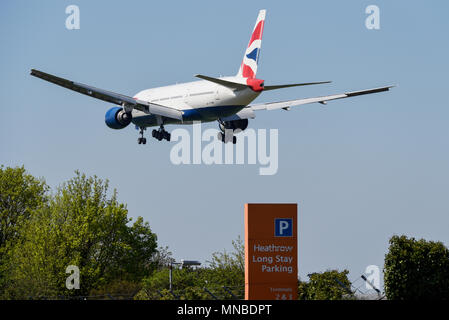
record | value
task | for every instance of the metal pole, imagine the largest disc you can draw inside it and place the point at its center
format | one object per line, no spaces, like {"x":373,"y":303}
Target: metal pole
{"x":170,"y":276}
{"x":182,"y":263}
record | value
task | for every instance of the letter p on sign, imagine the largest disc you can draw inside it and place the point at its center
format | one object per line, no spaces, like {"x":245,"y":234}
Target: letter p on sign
{"x":283,"y":227}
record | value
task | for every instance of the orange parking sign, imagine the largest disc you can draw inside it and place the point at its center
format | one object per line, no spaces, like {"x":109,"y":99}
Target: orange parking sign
{"x":271,"y":251}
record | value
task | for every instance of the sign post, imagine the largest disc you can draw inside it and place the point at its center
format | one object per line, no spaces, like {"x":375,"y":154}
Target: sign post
{"x":271,"y":251}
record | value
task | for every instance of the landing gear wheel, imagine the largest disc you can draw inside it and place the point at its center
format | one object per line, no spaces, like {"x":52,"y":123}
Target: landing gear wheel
{"x":141,"y":139}
{"x":161,"y":134}
{"x":222,"y":137}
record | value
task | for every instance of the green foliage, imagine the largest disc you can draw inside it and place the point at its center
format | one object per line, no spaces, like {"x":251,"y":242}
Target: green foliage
{"x":162,"y":258}
{"x":229,"y":268}
{"x":328,"y":285}
{"x":20,"y":195}
{"x":79,"y":226}
{"x":416,"y":270}
{"x":188,"y":284}
{"x":117,"y":289}
{"x":224,"y":269}
{"x":302,"y":290}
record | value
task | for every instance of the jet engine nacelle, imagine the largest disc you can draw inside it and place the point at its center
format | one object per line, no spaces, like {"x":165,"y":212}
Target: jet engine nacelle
{"x":117,"y":118}
{"x":240,"y":125}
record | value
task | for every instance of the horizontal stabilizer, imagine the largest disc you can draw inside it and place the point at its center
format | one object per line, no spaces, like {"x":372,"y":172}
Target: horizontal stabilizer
{"x":240,"y":86}
{"x":281,"y":86}
{"x":226,"y":83}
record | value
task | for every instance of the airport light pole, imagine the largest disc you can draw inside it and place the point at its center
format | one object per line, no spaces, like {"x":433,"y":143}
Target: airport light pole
{"x":182,"y":263}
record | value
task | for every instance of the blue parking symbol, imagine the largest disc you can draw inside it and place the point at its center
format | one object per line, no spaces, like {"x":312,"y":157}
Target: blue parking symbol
{"x":283,"y":227}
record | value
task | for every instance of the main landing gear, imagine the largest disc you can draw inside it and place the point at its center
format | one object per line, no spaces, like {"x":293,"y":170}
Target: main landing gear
{"x":141,"y":139}
{"x":227,"y":133}
{"x":161,"y":134}
{"x":226,"y":137}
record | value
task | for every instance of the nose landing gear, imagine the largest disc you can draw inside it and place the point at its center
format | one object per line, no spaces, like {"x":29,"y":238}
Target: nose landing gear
{"x":141,"y":139}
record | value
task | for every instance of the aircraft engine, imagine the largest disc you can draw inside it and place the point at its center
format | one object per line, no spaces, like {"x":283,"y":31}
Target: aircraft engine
{"x":116,"y":118}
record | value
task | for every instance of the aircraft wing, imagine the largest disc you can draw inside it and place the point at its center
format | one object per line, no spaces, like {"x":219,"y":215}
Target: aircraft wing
{"x":323,"y":100}
{"x":127,"y":102}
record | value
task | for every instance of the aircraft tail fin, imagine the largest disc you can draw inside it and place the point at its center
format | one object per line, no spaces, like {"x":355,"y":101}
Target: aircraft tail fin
{"x":248,"y":67}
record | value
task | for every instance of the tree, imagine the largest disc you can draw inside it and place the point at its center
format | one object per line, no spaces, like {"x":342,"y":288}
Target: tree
{"x":20,"y":195}
{"x":416,"y":269}
{"x":116,"y":289}
{"x":229,"y":268}
{"x":328,"y":285}
{"x":162,"y":258}
{"x":84,"y":227}
{"x":188,"y":284}
{"x":224,"y":269}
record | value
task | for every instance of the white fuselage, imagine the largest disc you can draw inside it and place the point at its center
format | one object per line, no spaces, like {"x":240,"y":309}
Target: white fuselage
{"x":199,"y":100}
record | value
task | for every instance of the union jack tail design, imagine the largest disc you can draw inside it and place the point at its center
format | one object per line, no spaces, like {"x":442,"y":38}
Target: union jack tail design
{"x":248,"y":68}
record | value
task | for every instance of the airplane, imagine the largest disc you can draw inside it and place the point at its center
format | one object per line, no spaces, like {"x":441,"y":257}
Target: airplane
{"x":224,"y":99}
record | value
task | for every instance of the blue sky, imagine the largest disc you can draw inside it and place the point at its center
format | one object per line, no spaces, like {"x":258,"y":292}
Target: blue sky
{"x":361,"y":169}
